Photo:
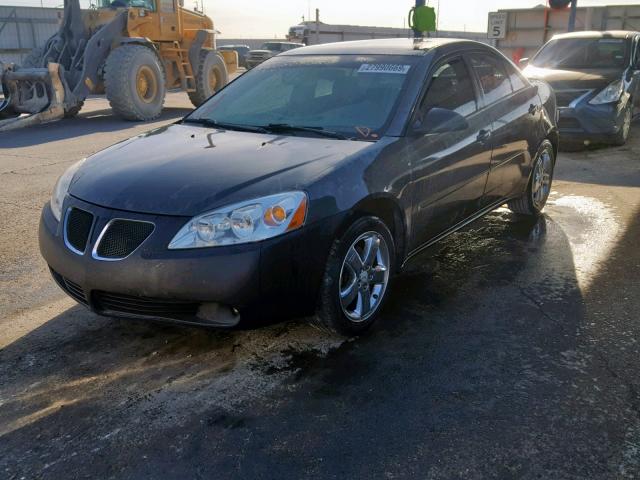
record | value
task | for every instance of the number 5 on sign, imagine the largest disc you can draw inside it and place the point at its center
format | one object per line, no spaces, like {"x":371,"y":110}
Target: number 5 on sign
{"x":497,"y":25}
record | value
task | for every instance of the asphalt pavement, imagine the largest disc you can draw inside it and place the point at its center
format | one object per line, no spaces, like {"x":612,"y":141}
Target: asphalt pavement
{"x":510,"y":350}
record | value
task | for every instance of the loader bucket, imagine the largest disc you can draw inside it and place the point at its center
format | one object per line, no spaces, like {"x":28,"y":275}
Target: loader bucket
{"x":35,"y":95}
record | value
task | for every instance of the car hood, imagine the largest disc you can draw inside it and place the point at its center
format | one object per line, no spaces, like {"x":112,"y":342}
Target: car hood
{"x":574,"y":79}
{"x":186,"y":169}
{"x":263,"y":52}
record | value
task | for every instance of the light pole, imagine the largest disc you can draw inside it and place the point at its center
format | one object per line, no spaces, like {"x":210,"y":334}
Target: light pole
{"x":572,"y":15}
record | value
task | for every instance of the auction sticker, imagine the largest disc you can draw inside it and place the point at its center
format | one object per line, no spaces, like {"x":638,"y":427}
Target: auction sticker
{"x":384,"y":68}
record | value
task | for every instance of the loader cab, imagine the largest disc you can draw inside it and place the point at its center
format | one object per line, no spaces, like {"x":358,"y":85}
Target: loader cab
{"x":149,"y":5}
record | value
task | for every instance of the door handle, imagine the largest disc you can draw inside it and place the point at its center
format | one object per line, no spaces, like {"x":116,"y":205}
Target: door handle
{"x":533,"y":109}
{"x":483,"y":136}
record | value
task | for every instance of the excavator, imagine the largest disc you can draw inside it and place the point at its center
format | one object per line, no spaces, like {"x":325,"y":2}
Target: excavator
{"x":131,"y":50}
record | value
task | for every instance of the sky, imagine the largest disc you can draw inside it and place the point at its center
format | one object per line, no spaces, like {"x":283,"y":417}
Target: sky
{"x":272,"y":18}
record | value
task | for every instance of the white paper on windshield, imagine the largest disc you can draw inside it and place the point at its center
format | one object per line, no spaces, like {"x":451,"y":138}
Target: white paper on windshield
{"x":384,"y":68}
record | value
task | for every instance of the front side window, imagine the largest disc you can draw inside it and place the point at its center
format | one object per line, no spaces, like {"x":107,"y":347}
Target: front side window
{"x":348,"y":94}
{"x":451,"y":88}
{"x":493,"y":77}
{"x":584,"y":53}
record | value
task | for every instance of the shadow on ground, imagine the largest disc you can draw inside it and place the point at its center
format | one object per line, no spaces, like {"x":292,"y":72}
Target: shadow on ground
{"x":84,"y":124}
{"x":471,"y":374}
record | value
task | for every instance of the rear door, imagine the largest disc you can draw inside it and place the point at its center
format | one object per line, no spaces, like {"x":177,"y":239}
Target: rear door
{"x":449,"y":169}
{"x":513,"y":105}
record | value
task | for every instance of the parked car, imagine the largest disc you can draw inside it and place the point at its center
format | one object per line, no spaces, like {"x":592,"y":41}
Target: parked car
{"x":268,"y":50}
{"x":303,"y":186}
{"x":596,"y":78}
{"x":241,"y":50}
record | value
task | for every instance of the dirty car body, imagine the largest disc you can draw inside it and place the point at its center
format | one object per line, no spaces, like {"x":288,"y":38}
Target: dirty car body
{"x":596,"y":78}
{"x":397,"y":132}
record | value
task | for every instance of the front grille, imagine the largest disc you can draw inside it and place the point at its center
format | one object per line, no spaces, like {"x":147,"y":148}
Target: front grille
{"x":569,"y":123}
{"x":77,"y":229}
{"x":72,"y":289}
{"x":148,"y":307}
{"x":565,"y":97}
{"x":122,"y":237}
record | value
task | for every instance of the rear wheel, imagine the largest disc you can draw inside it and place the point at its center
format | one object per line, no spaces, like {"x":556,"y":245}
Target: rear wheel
{"x":539,"y":187}
{"x":356,"y":278}
{"x":211,"y":76}
{"x":134,"y":82}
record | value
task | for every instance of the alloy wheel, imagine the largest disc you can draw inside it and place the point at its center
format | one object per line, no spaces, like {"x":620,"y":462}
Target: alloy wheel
{"x":541,"y":185}
{"x":364,"y":276}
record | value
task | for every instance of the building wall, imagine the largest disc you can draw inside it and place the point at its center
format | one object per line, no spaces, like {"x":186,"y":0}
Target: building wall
{"x":23,"y":28}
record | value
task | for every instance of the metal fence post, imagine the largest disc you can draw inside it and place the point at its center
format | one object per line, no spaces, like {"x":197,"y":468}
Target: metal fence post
{"x":416,"y":33}
{"x":572,"y":15}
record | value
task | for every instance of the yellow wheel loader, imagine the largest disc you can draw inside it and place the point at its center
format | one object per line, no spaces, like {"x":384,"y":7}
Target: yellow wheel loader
{"x":131,"y":50}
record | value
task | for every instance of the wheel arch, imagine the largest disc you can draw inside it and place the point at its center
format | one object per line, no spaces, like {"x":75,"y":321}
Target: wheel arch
{"x":387,"y":209}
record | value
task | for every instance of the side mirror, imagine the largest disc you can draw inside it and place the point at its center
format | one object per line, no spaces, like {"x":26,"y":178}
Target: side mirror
{"x":439,"y":120}
{"x":523,"y":62}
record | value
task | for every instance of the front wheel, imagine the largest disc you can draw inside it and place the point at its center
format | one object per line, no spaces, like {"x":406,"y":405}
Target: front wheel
{"x":356,"y":278}
{"x":539,"y":186}
{"x":623,"y":134}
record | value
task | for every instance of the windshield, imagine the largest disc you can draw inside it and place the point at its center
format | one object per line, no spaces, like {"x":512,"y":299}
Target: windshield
{"x":350,"y":95}
{"x":583,"y":53}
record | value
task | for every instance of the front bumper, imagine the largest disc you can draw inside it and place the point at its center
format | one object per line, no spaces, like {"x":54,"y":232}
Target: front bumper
{"x":282,"y":275}
{"x":582,"y":121}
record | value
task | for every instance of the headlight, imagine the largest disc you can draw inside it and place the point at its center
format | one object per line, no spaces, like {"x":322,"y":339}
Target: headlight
{"x":610,"y":94}
{"x":244,"y":222}
{"x":61,"y":188}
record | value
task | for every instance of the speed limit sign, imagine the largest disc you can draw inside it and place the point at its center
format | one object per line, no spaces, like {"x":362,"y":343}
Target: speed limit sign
{"x":497,"y":25}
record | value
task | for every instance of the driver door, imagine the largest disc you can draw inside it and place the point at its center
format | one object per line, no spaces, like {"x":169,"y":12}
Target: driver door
{"x":450,"y":169}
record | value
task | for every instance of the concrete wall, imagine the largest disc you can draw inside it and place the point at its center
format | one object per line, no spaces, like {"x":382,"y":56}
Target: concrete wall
{"x":23,"y":28}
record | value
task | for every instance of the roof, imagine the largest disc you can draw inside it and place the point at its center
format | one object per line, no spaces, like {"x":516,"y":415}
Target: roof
{"x":387,"y":46}
{"x":597,"y":34}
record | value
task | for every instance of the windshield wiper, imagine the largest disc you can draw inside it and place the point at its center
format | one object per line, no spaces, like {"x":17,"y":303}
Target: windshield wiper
{"x":225,"y":126}
{"x":286,"y":127}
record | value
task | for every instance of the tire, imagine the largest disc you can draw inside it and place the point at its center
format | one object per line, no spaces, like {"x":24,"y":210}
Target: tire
{"x":211,"y":76}
{"x":135,"y":82}
{"x":344,"y":290}
{"x":623,"y":134}
{"x":536,"y":195}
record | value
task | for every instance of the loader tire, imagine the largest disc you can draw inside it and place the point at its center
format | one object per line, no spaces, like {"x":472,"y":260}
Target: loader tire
{"x":135,"y":82}
{"x":211,"y":76}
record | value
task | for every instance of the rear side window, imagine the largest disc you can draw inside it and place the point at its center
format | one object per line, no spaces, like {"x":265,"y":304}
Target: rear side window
{"x":451,"y":88}
{"x":517,"y":83}
{"x":492,"y":75}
